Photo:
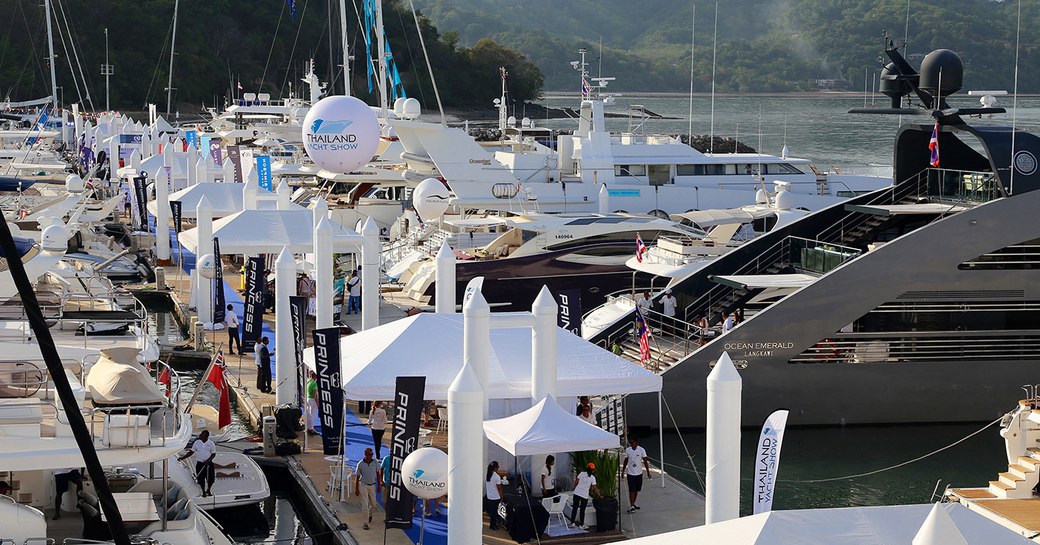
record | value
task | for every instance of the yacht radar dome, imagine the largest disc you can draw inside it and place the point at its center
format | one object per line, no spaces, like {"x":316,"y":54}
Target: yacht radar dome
{"x":340,"y":133}
{"x":430,"y":198}
{"x":74,"y":184}
{"x":942,"y":67}
{"x":525,"y":122}
{"x":399,"y":106}
{"x":511,"y":121}
{"x":54,"y":238}
{"x":410,"y":108}
{"x":892,"y":85}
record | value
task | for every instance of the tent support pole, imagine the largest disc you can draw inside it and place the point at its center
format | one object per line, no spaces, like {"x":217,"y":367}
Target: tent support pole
{"x":660,"y":435}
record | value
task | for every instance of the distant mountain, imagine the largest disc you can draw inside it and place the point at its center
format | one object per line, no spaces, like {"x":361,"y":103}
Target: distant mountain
{"x":763,"y":46}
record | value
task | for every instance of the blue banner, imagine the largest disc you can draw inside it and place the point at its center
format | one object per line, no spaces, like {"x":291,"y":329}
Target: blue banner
{"x":191,"y":138}
{"x":263,"y":172}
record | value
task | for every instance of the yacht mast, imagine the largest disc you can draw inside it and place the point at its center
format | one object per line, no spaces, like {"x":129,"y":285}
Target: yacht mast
{"x":346,"y":52}
{"x":50,"y":51}
{"x":173,"y":43}
{"x":381,"y":41}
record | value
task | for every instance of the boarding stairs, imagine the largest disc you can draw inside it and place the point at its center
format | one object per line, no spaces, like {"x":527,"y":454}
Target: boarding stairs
{"x":1023,"y":473}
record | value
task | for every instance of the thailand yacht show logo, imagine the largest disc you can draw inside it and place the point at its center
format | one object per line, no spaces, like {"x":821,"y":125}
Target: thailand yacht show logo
{"x":331,"y":135}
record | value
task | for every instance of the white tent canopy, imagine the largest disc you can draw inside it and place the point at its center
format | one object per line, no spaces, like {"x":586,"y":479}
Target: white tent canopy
{"x":844,"y":526}
{"x":547,"y":428}
{"x":252,"y":232}
{"x":430,"y":345}
{"x":226,"y":199}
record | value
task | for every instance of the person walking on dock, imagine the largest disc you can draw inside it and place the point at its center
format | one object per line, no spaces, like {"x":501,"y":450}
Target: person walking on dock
{"x":635,"y":456}
{"x":232,"y":331}
{"x":312,"y":401}
{"x":377,"y":421}
{"x":263,"y":371}
{"x":366,"y":485}
{"x":354,"y":294}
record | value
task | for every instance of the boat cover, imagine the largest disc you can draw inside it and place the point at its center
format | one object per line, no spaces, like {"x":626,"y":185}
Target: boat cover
{"x":21,"y":245}
{"x":118,"y":379}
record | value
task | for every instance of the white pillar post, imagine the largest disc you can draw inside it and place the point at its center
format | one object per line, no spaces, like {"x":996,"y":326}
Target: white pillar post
{"x":445,"y":285}
{"x":162,"y":216}
{"x":190,"y":165}
{"x":604,"y":199}
{"x":465,"y":482}
{"x":543,"y":346}
{"x":321,"y":209}
{"x":285,"y":368}
{"x":204,"y":303}
{"x":201,"y":168}
{"x":322,"y":272}
{"x":283,"y":194}
{"x":168,"y":159}
{"x":370,"y":275}
{"x":113,"y":153}
{"x":77,"y":122}
{"x":722,"y":482}
{"x":135,"y":161}
{"x":476,"y":341}
{"x":229,"y":171}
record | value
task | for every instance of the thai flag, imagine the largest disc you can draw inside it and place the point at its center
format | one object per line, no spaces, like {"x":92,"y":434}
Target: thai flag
{"x":644,"y":338}
{"x":933,"y":145}
{"x":640,"y":248}
{"x":586,"y":91}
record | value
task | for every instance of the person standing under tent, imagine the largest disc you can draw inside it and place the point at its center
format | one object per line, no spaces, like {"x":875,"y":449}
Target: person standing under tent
{"x":548,"y":479}
{"x":586,"y":483}
{"x":635,"y":456}
{"x":494,"y":492}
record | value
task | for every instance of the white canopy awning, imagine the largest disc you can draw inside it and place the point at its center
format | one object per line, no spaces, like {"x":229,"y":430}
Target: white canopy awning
{"x":547,"y":428}
{"x":475,"y":222}
{"x":842,"y":526}
{"x":226,"y":199}
{"x":252,"y":232}
{"x":430,"y":345}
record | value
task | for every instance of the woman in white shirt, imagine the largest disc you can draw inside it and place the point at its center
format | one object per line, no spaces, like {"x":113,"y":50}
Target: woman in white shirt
{"x":377,"y":421}
{"x":493,"y":488}
{"x":549,"y":477}
{"x":586,"y":483}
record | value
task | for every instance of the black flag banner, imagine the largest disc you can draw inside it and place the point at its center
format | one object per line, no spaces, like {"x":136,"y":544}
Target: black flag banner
{"x":330,"y":395}
{"x":219,"y":312}
{"x":141,"y":193}
{"x":176,"y":209}
{"x":254,"y":300}
{"x":298,"y":313}
{"x":569,"y":316}
{"x":408,"y":404}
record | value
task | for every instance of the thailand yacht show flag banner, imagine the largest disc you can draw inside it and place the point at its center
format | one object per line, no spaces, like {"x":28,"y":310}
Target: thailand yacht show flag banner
{"x":330,"y":393}
{"x":298,"y":314}
{"x":767,"y":460}
{"x":263,"y":172}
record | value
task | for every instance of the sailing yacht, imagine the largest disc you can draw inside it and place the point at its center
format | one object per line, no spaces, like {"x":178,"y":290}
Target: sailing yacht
{"x":892,"y":303}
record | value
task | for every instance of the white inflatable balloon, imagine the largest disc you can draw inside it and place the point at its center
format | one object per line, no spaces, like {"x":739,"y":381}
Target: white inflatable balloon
{"x":340,"y":133}
{"x":208,"y":266}
{"x":430,"y":198}
{"x":425,"y":473}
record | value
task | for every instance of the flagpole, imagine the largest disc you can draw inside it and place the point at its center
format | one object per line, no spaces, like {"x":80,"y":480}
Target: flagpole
{"x":198,"y":386}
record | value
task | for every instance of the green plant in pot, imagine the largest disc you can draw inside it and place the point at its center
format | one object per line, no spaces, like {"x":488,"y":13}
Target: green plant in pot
{"x":606,"y":468}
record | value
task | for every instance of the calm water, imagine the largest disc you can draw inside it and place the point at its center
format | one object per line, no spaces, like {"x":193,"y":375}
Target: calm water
{"x":817,"y":127}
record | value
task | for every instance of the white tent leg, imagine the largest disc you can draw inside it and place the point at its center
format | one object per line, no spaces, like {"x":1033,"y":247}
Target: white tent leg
{"x":660,"y":435}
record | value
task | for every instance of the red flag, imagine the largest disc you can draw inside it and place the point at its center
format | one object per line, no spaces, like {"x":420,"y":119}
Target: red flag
{"x":164,"y":378}
{"x":216,"y":378}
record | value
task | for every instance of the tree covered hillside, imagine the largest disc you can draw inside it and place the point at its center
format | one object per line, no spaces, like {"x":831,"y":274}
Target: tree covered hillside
{"x":763,"y":46}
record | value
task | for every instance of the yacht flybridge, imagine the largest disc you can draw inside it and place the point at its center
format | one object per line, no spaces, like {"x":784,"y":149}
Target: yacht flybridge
{"x":877,"y":309}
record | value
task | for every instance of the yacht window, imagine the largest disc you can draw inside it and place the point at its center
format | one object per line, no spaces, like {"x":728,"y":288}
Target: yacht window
{"x":630,"y":170}
{"x":625,"y":238}
{"x":660,"y":174}
{"x":781,"y":168}
{"x":690,"y":170}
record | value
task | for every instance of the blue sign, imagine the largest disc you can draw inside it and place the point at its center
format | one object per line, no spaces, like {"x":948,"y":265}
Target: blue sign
{"x":263,"y":172}
{"x":204,"y":144}
{"x":623,"y":192}
{"x":191,"y":138}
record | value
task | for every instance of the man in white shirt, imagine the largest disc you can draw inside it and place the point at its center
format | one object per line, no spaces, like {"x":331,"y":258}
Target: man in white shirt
{"x":644,"y":304}
{"x":635,"y":456}
{"x":204,"y":450}
{"x":668,"y":304}
{"x":232,"y":330}
{"x":727,"y":322}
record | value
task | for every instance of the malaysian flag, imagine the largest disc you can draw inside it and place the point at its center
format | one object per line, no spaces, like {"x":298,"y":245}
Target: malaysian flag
{"x":933,"y":145}
{"x":640,"y":248}
{"x":644,"y":338}
{"x":586,"y":91}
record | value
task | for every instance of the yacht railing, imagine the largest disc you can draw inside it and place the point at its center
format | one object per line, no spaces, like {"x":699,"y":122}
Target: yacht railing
{"x":893,"y":347}
{"x":133,"y":426}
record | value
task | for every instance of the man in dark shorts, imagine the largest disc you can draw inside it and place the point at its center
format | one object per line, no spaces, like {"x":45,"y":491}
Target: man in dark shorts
{"x":635,"y":461}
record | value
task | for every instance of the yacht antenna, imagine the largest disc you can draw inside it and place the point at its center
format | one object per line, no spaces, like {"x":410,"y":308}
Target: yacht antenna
{"x":1014,"y":99}
{"x":714,"y":47}
{"x":906,"y":31}
{"x":50,"y":52}
{"x":173,"y":43}
{"x":865,"y":87}
{"x":345,"y":46}
{"x":693,"y":36}
{"x":381,"y":42}
{"x":68,"y":400}
{"x":760,"y":142}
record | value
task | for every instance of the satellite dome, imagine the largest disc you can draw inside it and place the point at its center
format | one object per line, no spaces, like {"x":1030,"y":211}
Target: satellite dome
{"x":410,"y":108}
{"x":944,"y":65}
{"x":399,"y":106}
{"x":74,"y":184}
{"x":525,"y":122}
{"x":783,"y":200}
{"x":761,"y":197}
{"x":54,"y":238}
{"x":511,"y":121}
{"x":895,"y":89}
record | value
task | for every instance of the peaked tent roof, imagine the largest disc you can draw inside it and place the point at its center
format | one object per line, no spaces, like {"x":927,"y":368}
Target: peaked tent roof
{"x":881,"y":525}
{"x":547,"y":428}
{"x":225,"y":198}
{"x":252,"y":232}
{"x":431,"y":345}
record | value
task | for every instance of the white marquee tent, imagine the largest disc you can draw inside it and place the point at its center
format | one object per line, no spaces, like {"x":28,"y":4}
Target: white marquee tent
{"x":224,"y":198}
{"x":430,"y":345}
{"x":882,"y":525}
{"x":547,"y":428}
{"x":252,"y":232}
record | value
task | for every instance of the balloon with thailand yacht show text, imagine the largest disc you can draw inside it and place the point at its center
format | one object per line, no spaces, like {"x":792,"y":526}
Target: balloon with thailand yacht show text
{"x":340,"y":133}
{"x":425,"y":473}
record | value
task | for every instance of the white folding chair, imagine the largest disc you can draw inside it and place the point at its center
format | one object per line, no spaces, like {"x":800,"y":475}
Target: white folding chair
{"x":442,"y":419}
{"x":555,"y":505}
